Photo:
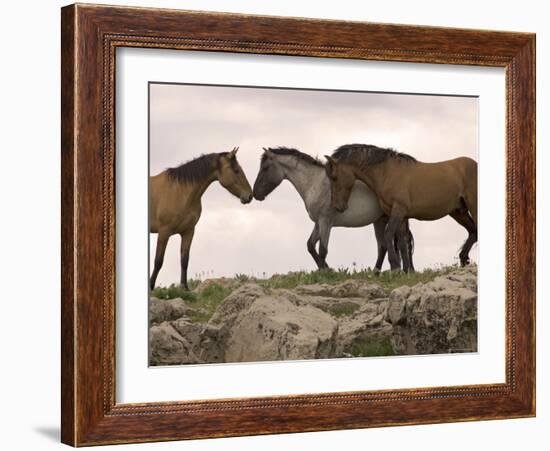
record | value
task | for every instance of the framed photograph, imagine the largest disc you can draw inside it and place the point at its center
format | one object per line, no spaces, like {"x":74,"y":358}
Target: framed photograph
{"x":279,"y":225}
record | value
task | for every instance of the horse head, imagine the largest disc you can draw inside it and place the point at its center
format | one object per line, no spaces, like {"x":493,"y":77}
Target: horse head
{"x":231,"y":176}
{"x":342,"y":177}
{"x":270,"y":175}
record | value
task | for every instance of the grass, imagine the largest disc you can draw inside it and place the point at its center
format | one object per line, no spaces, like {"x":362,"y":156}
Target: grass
{"x":373,"y":347}
{"x":387,"y":279}
{"x":344,"y":309}
{"x":173,"y":291}
{"x":207,"y":301}
{"x":204,"y":304}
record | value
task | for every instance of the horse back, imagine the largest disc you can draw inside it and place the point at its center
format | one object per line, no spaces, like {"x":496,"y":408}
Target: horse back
{"x":460,"y":171}
{"x":429,"y":191}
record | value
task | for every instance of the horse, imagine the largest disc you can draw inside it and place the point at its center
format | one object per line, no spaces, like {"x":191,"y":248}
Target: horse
{"x":407,"y":188}
{"x":175,"y":201}
{"x":308,"y":176}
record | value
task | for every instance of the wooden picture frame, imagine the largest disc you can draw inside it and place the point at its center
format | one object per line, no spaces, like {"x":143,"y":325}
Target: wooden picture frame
{"x":90,"y":36}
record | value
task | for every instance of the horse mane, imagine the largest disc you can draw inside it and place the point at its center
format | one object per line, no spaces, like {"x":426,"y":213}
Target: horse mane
{"x":195,"y":170}
{"x":295,"y":153}
{"x":368,"y":154}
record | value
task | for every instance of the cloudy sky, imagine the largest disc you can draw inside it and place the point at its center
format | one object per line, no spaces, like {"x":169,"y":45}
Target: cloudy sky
{"x":270,"y":236}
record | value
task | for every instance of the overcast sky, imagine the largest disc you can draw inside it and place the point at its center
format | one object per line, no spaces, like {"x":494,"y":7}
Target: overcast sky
{"x":270,"y":236}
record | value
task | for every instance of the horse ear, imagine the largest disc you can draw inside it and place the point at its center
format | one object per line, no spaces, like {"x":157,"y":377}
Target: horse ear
{"x":233,"y":153}
{"x":268,"y":152}
{"x":330,"y":160}
{"x":330,"y":164}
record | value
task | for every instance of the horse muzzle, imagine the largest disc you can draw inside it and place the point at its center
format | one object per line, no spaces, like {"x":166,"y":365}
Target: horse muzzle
{"x":258,"y":196}
{"x":246,"y":199}
{"x":341,"y":208}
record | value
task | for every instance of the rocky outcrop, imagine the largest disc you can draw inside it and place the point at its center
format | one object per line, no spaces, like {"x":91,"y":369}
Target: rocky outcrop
{"x":161,"y":310}
{"x":168,"y":347}
{"x":352,"y":319}
{"x":280,"y":327}
{"x":366,"y":333}
{"x":436,"y":317}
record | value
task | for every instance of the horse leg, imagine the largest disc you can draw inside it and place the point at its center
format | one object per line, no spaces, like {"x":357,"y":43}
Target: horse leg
{"x":465,"y":220}
{"x":379,"y":227}
{"x":311,"y":243}
{"x":396,"y":218}
{"x":403,"y":243}
{"x":186,"y":238}
{"x":162,"y":241}
{"x":324,"y":233}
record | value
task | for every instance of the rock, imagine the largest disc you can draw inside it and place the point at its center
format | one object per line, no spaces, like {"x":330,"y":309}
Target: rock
{"x":235,"y":303}
{"x":161,"y":310}
{"x":343,"y":299}
{"x":211,"y":347}
{"x":168,"y":347}
{"x":351,"y":319}
{"x":221,"y":281}
{"x":366,"y":332}
{"x":350,"y":288}
{"x":202,"y":338}
{"x":189,"y":330}
{"x":395,"y":308}
{"x":215,"y":334}
{"x":466,"y":276}
{"x":334,"y":306}
{"x":437,"y":317}
{"x":275,"y":328}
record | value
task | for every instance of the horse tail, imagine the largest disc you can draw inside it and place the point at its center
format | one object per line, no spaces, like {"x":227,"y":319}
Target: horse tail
{"x":410,"y":243}
{"x":396,"y":243}
{"x":470,"y":194}
{"x":470,"y":200}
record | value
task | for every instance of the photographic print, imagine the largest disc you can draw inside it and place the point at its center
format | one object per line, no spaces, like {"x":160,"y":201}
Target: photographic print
{"x":292,"y":224}
{"x":290,"y":206}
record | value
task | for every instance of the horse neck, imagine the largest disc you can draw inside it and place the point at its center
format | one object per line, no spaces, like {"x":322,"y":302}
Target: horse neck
{"x":197,"y":188}
{"x":302,"y":175}
{"x":372,"y":176}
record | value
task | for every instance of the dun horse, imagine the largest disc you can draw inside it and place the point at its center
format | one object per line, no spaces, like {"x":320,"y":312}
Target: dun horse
{"x":175,"y":200}
{"x":407,"y":188}
{"x":308,"y":176}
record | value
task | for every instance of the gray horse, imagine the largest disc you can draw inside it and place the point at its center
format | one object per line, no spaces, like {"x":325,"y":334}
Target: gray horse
{"x":309,"y":177}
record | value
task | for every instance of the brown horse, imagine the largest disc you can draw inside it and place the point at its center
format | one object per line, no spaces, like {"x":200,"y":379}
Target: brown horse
{"x":407,"y":188}
{"x":175,"y":201}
